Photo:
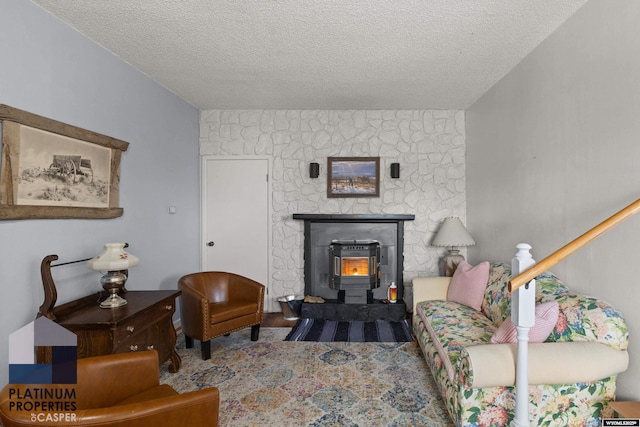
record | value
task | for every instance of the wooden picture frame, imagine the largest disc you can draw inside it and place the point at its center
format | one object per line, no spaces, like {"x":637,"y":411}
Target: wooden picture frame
{"x":353,"y":176}
{"x":52,"y":170}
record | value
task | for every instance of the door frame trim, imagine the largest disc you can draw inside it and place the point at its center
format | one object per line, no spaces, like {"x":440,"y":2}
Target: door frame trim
{"x":203,"y":214}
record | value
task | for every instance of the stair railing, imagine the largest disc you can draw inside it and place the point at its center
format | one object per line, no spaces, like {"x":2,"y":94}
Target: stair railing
{"x":523,"y":301}
{"x":573,"y":246}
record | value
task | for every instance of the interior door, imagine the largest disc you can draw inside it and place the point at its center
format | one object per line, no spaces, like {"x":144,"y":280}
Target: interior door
{"x":235,"y":217}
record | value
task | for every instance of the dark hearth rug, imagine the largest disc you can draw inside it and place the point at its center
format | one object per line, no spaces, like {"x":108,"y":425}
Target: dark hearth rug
{"x":321,"y":330}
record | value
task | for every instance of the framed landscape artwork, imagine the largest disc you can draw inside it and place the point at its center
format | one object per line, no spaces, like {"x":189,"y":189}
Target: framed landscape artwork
{"x":353,"y":176}
{"x":54,"y":170}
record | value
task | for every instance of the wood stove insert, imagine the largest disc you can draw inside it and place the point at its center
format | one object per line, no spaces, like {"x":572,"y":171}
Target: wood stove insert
{"x":355,"y":270}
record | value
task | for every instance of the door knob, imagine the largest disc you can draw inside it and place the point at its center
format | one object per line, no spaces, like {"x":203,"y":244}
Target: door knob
{"x":210,"y":244}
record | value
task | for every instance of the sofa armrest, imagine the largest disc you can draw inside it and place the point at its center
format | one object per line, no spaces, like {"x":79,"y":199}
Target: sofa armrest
{"x":429,"y":288}
{"x":193,"y":306}
{"x":197,"y":408}
{"x":493,"y":365}
{"x":141,"y":370}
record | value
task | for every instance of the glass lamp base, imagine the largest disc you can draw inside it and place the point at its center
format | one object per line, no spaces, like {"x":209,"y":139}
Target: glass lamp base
{"x":451,"y":261}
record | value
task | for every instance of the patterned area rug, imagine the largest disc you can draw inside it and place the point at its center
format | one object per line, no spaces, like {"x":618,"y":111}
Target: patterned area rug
{"x":322,"y":330}
{"x":272,"y":382}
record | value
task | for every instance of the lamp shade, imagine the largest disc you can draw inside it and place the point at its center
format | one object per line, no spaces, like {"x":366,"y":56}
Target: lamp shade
{"x":452,"y":233}
{"x":113,"y":258}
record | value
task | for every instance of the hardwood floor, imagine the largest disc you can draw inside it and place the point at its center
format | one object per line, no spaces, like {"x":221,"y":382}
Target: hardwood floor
{"x":276,"y":320}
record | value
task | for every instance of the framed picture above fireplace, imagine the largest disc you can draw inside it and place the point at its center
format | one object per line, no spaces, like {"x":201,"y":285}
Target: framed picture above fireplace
{"x":353,"y":176}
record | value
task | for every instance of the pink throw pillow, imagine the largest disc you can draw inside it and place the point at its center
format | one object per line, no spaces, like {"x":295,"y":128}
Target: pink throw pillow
{"x":546,"y":319}
{"x":468,"y":284}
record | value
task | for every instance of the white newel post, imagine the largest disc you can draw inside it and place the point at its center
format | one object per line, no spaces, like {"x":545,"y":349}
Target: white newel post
{"x":523,"y":307}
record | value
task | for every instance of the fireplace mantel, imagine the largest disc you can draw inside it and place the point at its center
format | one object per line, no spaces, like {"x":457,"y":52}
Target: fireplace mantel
{"x":354,"y":217}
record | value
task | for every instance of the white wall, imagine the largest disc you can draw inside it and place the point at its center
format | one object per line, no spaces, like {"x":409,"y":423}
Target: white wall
{"x":429,"y":145}
{"x":554,"y":149}
{"x":49,"y":69}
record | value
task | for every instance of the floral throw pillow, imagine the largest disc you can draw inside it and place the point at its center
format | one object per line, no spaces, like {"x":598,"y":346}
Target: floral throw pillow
{"x":546,"y":319}
{"x":468,"y":284}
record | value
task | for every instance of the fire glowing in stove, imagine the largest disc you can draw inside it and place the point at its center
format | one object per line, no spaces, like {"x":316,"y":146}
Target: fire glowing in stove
{"x":355,"y":266}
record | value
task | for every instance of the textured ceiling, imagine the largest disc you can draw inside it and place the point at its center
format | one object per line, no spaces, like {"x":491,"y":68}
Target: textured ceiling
{"x":319,"y":54}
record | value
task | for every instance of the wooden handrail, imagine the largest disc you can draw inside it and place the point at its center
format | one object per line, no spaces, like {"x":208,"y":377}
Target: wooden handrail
{"x":568,"y":249}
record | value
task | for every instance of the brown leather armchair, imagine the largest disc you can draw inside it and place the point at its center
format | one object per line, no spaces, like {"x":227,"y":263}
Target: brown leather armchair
{"x":115,"y":390}
{"x":215,"y":303}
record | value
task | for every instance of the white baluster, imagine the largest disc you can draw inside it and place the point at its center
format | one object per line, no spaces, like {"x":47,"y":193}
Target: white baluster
{"x":523,"y":307}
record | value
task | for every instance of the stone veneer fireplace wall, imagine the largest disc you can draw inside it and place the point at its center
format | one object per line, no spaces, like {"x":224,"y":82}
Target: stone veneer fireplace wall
{"x":428,"y":144}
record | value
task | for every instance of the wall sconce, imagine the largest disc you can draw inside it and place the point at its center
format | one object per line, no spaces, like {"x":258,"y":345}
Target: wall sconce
{"x":314,"y":170}
{"x":395,"y":170}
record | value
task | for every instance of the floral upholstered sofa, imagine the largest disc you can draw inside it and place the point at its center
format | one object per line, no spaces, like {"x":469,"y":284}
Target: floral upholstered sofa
{"x":572,"y":375}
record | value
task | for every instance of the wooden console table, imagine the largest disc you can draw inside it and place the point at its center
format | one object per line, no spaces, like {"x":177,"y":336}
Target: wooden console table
{"x":144,"y":323}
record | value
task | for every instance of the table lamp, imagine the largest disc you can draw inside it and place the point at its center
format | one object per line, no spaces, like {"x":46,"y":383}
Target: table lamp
{"x":452,"y":234}
{"x":114,"y":262}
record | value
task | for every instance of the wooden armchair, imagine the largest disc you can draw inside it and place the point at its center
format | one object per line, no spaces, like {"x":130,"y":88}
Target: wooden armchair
{"x":114,"y":390}
{"x":215,"y":303}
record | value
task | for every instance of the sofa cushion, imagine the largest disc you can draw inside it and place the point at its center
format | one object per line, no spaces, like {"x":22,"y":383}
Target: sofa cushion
{"x":580,"y":317}
{"x":497,"y":298}
{"x":546,"y":319}
{"x":468,"y":284}
{"x":453,"y":326}
{"x":227,"y":310}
